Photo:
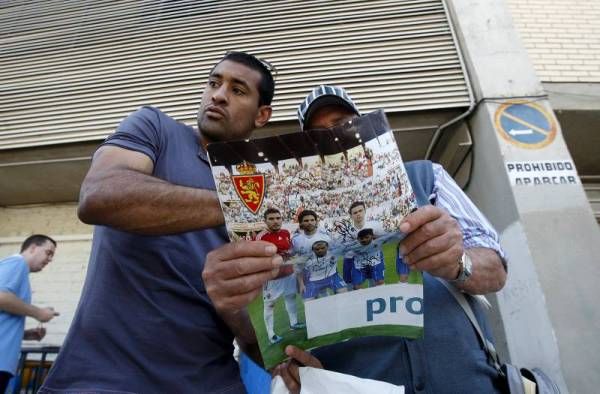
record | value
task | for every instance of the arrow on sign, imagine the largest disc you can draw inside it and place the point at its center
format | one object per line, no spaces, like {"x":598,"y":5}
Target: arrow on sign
{"x":520,"y":132}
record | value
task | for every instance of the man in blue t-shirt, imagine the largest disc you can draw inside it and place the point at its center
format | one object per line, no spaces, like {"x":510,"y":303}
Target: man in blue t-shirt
{"x":145,"y":323}
{"x":15,"y":301}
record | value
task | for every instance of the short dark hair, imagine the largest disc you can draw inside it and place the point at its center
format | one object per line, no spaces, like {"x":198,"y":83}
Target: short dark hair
{"x":266,"y":88}
{"x":307,"y":212}
{"x":270,"y":211}
{"x":36,"y":239}
{"x":364,"y":232}
{"x":318,"y":242}
{"x":356,"y":204}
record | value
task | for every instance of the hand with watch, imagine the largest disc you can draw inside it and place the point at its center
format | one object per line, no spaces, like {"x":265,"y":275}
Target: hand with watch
{"x":465,"y":266}
{"x":433,"y":243}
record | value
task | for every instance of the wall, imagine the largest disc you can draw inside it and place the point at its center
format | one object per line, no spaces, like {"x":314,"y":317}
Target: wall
{"x":561,"y":36}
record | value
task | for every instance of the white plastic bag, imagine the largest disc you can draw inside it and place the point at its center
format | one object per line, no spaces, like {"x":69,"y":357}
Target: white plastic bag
{"x":319,"y":381}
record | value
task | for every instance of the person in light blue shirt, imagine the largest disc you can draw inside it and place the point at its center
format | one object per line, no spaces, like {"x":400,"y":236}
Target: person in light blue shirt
{"x":15,"y":301}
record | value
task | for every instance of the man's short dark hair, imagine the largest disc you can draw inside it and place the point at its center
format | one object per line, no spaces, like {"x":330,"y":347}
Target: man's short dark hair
{"x":356,"y":204}
{"x":307,"y":212}
{"x":270,"y":211}
{"x":364,"y":232}
{"x":36,"y":239}
{"x":266,"y":87}
{"x":318,"y":242}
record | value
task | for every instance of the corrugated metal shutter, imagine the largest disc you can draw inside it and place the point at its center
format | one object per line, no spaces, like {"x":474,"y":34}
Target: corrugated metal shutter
{"x":592,"y":190}
{"x":69,"y":71}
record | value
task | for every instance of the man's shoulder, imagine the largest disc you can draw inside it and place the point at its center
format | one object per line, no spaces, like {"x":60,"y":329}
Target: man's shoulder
{"x":261,"y":234}
{"x":151,"y":112}
{"x":14,"y":272}
{"x":418,"y":163}
{"x":158,"y":118}
{"x":14,"y":262}
{"x":420,"y":168}
{"x":12,"y":258}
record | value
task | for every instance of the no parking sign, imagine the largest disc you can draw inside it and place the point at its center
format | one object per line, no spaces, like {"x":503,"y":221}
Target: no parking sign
{"x":525,"y":124}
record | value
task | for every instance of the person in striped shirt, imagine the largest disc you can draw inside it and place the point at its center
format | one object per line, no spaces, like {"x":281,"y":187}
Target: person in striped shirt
{"x":447,"y":238}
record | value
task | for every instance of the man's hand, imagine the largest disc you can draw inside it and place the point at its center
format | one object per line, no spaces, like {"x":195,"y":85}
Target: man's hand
{"x":44,"y":315}
{"x":235,"y":273}
{"x":289,"y":371}
{"x":434,"y":242}
{"x":35,"y":334}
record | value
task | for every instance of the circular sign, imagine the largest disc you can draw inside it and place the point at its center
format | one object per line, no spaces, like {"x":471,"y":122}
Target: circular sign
{"x":524,"y":124}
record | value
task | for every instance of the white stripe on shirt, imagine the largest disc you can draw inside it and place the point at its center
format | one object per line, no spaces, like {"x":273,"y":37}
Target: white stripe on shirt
{"x":477,"y":231}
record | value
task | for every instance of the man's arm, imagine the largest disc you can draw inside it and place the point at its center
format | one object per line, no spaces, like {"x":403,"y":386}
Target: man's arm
{"x":119,"y":191}
{"x":488,"y":273}
{"x":14,"y":305}
{"x":300,"y":280}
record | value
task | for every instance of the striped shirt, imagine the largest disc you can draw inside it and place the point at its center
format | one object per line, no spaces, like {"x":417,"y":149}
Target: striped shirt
{"x":477,"y":231}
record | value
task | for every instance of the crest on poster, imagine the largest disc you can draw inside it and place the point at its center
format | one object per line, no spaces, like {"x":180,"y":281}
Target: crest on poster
{"x":249,"y":186}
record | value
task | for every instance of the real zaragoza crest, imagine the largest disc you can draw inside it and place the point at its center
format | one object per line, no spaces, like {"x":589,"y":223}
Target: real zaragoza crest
{"x":249,"y":186}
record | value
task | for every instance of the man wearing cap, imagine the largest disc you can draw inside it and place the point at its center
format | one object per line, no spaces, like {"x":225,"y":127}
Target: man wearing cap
{"x":446,"y":238}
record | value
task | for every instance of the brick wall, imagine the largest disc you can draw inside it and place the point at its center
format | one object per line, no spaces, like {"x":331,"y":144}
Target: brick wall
{"x":59,"y":284}
{"x":562,"y":37}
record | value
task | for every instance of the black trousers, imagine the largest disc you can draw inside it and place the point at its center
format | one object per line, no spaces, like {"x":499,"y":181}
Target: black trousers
{"x":4,"y":378}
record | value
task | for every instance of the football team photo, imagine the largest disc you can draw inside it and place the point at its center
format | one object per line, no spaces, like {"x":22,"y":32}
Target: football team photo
{"x":331,"y":201}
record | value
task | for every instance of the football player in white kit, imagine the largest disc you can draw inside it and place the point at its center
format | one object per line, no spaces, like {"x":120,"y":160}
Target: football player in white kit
{"x":303,"y":240}
{"x":358,"y":212}
{"x":368,"y":258}
{"x":320,"y":271}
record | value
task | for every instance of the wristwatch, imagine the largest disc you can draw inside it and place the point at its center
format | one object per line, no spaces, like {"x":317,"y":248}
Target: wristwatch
{"x":465,"y":265}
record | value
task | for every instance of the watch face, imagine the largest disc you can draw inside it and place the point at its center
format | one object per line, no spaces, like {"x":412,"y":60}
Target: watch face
{"x":465,"y":269}
{"x":467,"y":264}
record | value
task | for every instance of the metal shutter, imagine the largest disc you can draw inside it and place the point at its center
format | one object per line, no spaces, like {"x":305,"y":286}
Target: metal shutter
{"x":592,"y":190}
{"x":69,"y":71}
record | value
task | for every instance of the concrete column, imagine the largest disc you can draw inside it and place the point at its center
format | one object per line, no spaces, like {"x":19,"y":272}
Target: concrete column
{"x":547,"y":315}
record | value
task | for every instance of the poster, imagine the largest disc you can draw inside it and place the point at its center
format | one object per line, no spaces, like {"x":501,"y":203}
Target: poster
{"x":331,"y":200}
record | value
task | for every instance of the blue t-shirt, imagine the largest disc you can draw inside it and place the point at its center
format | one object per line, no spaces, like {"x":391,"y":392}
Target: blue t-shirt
{"x":14,"y":278}
{"x":144,"y":323}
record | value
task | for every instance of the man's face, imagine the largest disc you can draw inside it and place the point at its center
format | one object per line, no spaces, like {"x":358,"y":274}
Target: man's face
{"x":229,"y":109}
{"x":328,"y":116}
{"x":320,"y":248}
{"x":40,"y":255}
{"x":308,"y":224}
{"x":273,"y":221}
{"x":365,"y":239}
{"x":358,"y":214}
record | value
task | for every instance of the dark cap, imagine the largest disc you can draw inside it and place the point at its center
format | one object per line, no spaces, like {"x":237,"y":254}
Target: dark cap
{"x":324,"y":95}
{"x":364,"y":232}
